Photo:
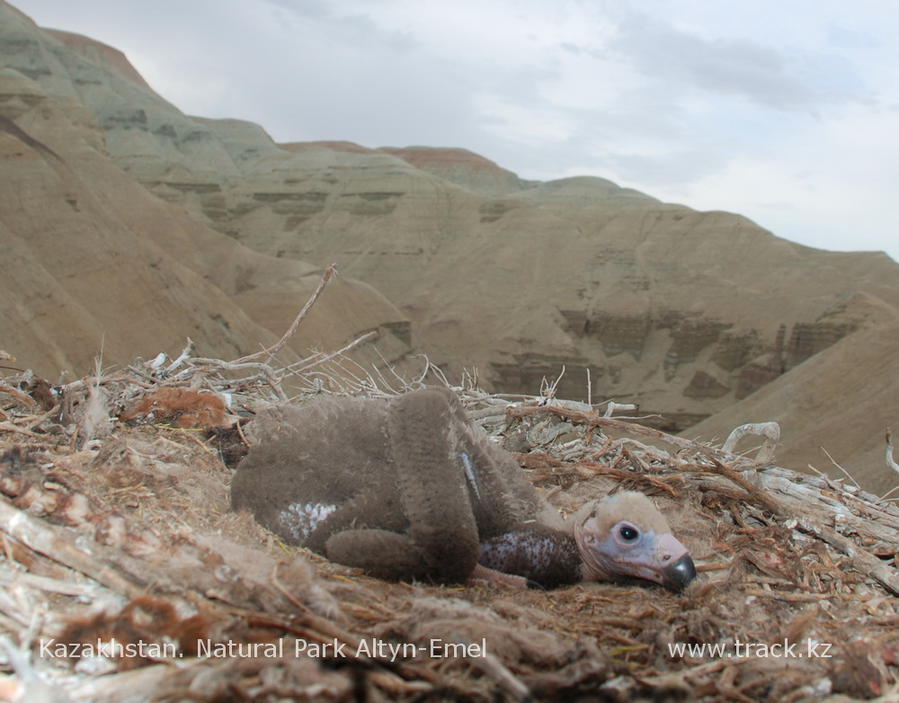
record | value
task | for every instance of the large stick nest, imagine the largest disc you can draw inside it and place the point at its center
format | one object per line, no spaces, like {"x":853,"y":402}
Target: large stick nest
{"x":115,"y":526}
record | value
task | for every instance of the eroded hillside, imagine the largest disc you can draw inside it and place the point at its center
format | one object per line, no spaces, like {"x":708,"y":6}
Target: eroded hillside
{"x":95,"y":263}
{"x":684,"y":311}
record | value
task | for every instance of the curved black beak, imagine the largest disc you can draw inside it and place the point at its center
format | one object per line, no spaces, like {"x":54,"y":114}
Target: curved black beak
{"x":676,"y":576}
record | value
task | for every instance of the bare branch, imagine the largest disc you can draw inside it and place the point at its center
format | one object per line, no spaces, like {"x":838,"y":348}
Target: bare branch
{"x":182,"y":357}
{"x":26,"y":400}
{"x":613,"y":406}
{"x":891,"y":462}
{"x":769,"y":430}
{"x":861,"y":559}
{"x":589,"y":389}
{"x":264,"y":369}
{"x":367,"y":337}
{"x":279,"y":345}
{"x":59,"y":544}
{"x":547,"y":389}
{"x":846,"y":473}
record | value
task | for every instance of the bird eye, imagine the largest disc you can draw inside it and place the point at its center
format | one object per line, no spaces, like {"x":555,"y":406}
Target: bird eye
{"x":628,"y":533}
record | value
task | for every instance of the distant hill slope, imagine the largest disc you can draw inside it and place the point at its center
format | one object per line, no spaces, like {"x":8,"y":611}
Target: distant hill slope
{"x":462,"y":167}
{"x":92,"y":259}
{"x":683,"y":311}
{"x":841,"y":399}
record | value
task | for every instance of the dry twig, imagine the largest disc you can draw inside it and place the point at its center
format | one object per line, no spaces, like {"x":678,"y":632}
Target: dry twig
{"x":281,"y":343}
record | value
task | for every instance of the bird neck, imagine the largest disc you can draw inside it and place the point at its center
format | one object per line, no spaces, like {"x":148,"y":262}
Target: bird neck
{"x":591,"y":567}
{"x":592,"y":573}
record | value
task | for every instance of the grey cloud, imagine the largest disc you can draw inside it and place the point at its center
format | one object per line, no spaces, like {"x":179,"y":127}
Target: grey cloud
{"x":318,"y":9}
{"x":329,"y":86}
{"x":679,"y":166}
{"x":598,"y":144}
{"x":744,"y":68}
{"x":845,"y":38}
{"x":353,"y":28}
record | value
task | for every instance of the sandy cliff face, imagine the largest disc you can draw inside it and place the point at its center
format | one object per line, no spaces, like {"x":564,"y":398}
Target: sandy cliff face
{"x":93,"y":260}
{"x":100,"y":54}
{"x":79,"y":273}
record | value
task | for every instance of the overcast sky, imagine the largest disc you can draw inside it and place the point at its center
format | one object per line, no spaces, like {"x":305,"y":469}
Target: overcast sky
{"x":786,"y":112}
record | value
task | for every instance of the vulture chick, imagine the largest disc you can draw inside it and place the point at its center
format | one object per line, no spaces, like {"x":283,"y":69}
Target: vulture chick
{"x":409,"y":489}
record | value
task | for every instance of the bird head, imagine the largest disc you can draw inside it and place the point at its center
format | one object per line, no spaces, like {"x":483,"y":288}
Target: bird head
{"x":625,"y":536}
